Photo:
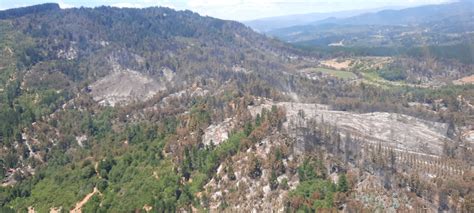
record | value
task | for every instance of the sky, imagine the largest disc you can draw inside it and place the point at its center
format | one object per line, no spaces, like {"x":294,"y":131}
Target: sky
{"x":239,"y":10}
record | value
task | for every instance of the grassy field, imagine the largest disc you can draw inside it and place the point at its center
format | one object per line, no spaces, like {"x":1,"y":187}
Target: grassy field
{"x":335,"y":73}
{"x":372,"y":77}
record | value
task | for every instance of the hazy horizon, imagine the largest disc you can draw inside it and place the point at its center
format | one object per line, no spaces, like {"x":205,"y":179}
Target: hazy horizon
{"x":240,"y":10}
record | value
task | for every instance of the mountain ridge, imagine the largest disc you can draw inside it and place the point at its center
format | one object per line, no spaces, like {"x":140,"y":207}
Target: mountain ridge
{"x":18,"y":12}
{"x":415,"y":15}
{"x":271,"y":23}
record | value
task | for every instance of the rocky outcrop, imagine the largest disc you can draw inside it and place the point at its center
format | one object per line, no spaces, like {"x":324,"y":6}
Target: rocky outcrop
{"x":391,"y":129}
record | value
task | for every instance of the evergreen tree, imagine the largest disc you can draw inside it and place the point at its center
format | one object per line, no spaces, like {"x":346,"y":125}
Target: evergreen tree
{"x":342,"y":185}
{"x":231,"y":173}
{"x":273,"y":180}
{"x":258,"y":120}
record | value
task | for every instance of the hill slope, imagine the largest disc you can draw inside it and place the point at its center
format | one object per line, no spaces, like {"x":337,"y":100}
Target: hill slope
{"x":88,"y":44}
{"x":130,"y":110}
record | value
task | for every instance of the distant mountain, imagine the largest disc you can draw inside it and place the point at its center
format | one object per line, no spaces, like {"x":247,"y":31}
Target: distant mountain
{"x":424,"y":25}
{"x":409,"y":16}
{"x":272,"y":23}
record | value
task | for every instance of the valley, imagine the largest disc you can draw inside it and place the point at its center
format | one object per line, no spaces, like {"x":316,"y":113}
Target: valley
{"x":153,"y":109}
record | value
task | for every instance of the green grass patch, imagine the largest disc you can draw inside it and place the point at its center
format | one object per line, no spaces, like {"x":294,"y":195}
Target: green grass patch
{"x":336,"y":73}
{"x":374,"y":78}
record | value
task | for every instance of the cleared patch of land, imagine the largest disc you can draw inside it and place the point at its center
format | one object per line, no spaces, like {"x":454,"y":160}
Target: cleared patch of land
{"x":359,"y":63}
{"x":337,"y":64}
{"x":335,"y":73}
{"x":465,"y":80}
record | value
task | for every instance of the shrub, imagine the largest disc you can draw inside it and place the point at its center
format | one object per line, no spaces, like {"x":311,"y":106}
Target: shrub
{"x":393,"y":75}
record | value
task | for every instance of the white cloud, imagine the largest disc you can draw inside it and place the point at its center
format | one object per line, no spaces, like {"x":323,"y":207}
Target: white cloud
{"x":213,"y":3}
{"x":64,"y":5}
{"x":150,"y":3}
{"x":127,"y":5}
{"x":233,"y":9}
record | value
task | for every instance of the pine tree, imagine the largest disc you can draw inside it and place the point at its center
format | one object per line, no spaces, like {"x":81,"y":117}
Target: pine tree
{"x":273,"y":180}
{"x":231,"y":173}
{"x":342,"y":185}
{"x":248,"y":129}
{"x":258,"y":120}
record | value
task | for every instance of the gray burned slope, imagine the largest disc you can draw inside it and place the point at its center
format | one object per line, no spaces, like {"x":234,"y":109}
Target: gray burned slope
{"x":123,"y":86}
{"x":394,"y":130}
